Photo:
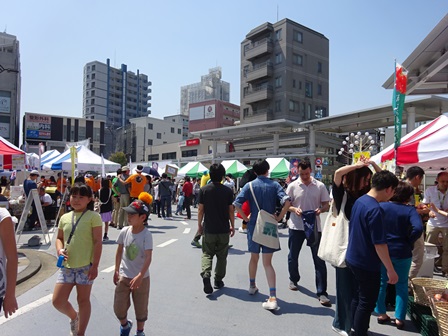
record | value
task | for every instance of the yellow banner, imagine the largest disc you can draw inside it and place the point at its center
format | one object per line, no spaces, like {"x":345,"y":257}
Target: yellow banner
{"x":360,"y":155}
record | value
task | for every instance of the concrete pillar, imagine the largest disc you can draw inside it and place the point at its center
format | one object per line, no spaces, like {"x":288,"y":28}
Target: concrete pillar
{"x":410,"y":126}
{"x":312,"y":145}
{"x":276,"y":142}
{"x":214,"y":149}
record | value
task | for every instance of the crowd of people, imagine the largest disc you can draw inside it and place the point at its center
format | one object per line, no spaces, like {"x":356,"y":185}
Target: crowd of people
{"x":386,"y":236}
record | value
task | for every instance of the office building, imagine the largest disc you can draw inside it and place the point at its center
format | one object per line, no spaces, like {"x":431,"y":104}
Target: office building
{"x":114,"y":96}
{"x":284,"y":73}
{"x":212,"y":114}
{"x":210,"y":87}
{"x":10,"y":83}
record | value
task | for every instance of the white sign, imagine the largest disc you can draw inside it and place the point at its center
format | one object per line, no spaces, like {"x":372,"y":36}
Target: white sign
{"x":209,"y":111}
{"x":5,"y":104}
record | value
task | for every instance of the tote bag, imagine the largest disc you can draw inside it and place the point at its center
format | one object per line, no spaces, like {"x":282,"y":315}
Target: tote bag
{"x":334,"y":241}
{"x":265,"y":232}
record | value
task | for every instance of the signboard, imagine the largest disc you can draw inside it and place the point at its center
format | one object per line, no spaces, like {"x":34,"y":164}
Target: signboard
{"x":18,"y":162}
{"x":193,"y":142}
{"x":360,"y":155}
{"x":318,"y":161}
{"x":5,"y":104}
{"x":38,"y":126}
{"x":170,"y":170}
{"x":318,"y":175}
{"x":209,"y":111}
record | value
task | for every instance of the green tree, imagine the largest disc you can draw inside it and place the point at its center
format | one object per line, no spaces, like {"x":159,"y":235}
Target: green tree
{"x":119,"y":158}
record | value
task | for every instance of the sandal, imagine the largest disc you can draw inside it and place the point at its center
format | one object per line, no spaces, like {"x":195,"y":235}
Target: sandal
{"x":399,"y":324}
{"x":383,"y":320}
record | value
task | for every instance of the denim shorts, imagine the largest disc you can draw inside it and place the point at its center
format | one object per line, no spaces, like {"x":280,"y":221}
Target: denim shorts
{"x":77,"y":276}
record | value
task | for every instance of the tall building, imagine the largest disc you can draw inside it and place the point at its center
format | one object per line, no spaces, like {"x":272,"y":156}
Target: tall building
{"x":212,"y":114}
{"x":210,"y":87}
{"x":9,"y":88}
{"x":114,"y":96}
{"x":284,"y":73}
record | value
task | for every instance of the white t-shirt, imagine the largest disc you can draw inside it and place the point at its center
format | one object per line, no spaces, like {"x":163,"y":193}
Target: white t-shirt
{"x":3,"y":214}
{"x":433,"y":195}
{"x":134,"y":251}
{"x":307,"y":197}
{"x":45,"y":198}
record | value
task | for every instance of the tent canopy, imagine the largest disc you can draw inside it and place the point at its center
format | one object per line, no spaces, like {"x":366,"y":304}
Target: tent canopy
{"x":11,"y":157}
{"x":87,"y":161}
{"x":234,"y":167}
{"x":192,"y":169}
{"x":278,"y":167}
{"x":426,"y":147}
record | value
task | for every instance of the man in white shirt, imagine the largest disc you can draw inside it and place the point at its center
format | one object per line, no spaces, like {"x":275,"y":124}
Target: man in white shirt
{"x":228,"y":182}
{"x":438,"y":223}
{"x":307,"y":194}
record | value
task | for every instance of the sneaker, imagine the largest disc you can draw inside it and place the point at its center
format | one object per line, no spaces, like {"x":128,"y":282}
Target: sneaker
{"x":218,"y":284}
{"x":339,"y":331}
{"x":140,"y":334}
{"x":176,"y":213}
{"x":293,"y":286}
{"x":241,"y":230}
{"x":105,"y":238}
{"x":253,"y":290}
{"x":324,"y":301}
{"x":126,"y":330}
{"x":74,"y":326}
{"x":208,"y":289}
{"x":195,"y":243}
{"x":270,"y":304}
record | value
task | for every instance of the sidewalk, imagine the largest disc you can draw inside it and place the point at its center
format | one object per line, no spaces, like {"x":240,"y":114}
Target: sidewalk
{"x":29,"y":264}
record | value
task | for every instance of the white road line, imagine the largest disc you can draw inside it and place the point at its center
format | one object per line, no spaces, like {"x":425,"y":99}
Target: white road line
{"x":187,"y":230}
{"x":108,"y":270}
{"x":184,"y":223}
{"x":167,"y":243}
{"x":27,"y":308}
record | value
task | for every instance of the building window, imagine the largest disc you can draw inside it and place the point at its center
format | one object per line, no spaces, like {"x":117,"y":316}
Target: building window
{"x":190,"y":153}
{"x":172,"y":130}
{"x":169,"y":156}
{"x":300,"y":85}
{"x":278,"y":58}
{"x":150,"y":126}
{"x":245,"y":112}
{"x":179,"y":131}
{"x":297,"y":59}
{"x":319,"y":67}
{"x":153,"y":157}
{"x":308,"y":111}
{"x":245,"y":70}
{"x":278,"y":106}
{"x":294,"y":83}
{"x":319,"y":89}
{"x":92,"y":101}
{"x":149,"y":142}
{"x":93,"y":76}
{"x":93,"y":67}
{"x":298,"y":36}
{"x":92,"y":93}
{"x":291,"y":105}
{"x":303,"y":111}
{"x":308,"y":89}
{"x":159,"y":135}
{"x":278,"y":82}
{"x":93,"y":84}
{"x":278,"y":35}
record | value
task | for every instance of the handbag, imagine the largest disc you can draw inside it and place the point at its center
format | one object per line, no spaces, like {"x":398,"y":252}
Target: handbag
{"x":334,"y":240}
{"x":265,"y":232}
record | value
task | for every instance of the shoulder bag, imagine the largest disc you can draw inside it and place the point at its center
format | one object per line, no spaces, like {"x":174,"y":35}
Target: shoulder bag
{"x":265,"y":232}
{"x":334,"y":241}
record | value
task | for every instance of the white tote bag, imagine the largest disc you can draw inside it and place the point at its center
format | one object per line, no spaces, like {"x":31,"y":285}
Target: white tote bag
{"x":334,"y":240}
{"x":266,"y":231}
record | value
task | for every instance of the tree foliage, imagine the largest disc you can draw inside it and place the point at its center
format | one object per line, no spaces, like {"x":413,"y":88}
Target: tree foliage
{"x":119,"y":158}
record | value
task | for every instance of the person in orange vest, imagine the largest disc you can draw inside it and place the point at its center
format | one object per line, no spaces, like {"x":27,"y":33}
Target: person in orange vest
{"x":137,"y":183}
{"x":90,"y":181}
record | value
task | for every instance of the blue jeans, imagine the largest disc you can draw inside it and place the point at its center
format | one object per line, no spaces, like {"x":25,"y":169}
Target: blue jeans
{"x":345,"y":291}
{"x":402,"y":267}
{"x":363,"y":303}
{"x":295,"y":242}
{"x":165,"y":201}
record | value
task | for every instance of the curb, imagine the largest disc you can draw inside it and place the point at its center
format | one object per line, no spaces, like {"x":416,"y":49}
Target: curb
{"x":33,"y":267}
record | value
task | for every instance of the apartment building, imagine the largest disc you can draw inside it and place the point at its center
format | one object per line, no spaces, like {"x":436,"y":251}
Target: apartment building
{"x":212,"y":114}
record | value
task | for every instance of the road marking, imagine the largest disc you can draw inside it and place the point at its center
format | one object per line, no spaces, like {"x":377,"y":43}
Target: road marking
{"x":167,"y":243}
{"x":187,"y":230}
{"x":184,"y":223}
{"x":108,"y":270}
{"x":27,"y":308}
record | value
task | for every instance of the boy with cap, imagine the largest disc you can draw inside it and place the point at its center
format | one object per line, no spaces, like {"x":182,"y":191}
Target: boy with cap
{"x":132,"y":260}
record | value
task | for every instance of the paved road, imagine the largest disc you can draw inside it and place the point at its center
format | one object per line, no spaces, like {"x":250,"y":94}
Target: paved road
{"x":178,"y":305}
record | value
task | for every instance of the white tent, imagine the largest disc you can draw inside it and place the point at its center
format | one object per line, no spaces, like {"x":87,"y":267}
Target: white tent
{"x":87,"y":161}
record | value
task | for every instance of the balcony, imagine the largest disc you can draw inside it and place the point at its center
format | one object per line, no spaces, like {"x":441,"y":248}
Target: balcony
{"x":258,"y":48}
{"x":260,"y":71}
{"x":257,"y":94}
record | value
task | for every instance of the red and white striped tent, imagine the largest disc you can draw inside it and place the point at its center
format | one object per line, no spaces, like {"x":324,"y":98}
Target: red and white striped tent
{"x":11,"y":157}
{"x":426,"y":147}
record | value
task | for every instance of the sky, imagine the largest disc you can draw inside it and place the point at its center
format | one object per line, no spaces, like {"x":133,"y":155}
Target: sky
{"x":176,"y":42}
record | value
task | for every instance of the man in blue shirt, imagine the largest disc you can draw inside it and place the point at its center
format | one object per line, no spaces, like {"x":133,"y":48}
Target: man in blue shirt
{"x":28,"y":185}
{"x":367,"y":249}
{"x":267,"y":192}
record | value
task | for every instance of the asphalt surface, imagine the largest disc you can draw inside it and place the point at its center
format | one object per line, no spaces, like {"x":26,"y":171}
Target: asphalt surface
{"x":178,"y":305}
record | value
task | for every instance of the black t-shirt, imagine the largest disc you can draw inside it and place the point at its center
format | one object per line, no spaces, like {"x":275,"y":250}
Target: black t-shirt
{"x":216,"y":199}
{"x":338,"y":194}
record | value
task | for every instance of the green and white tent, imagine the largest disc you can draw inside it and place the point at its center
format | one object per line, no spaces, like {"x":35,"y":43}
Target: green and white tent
{"x":279,"y":167}
{"x":234,"y":167}
{"x":193,"y":169}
